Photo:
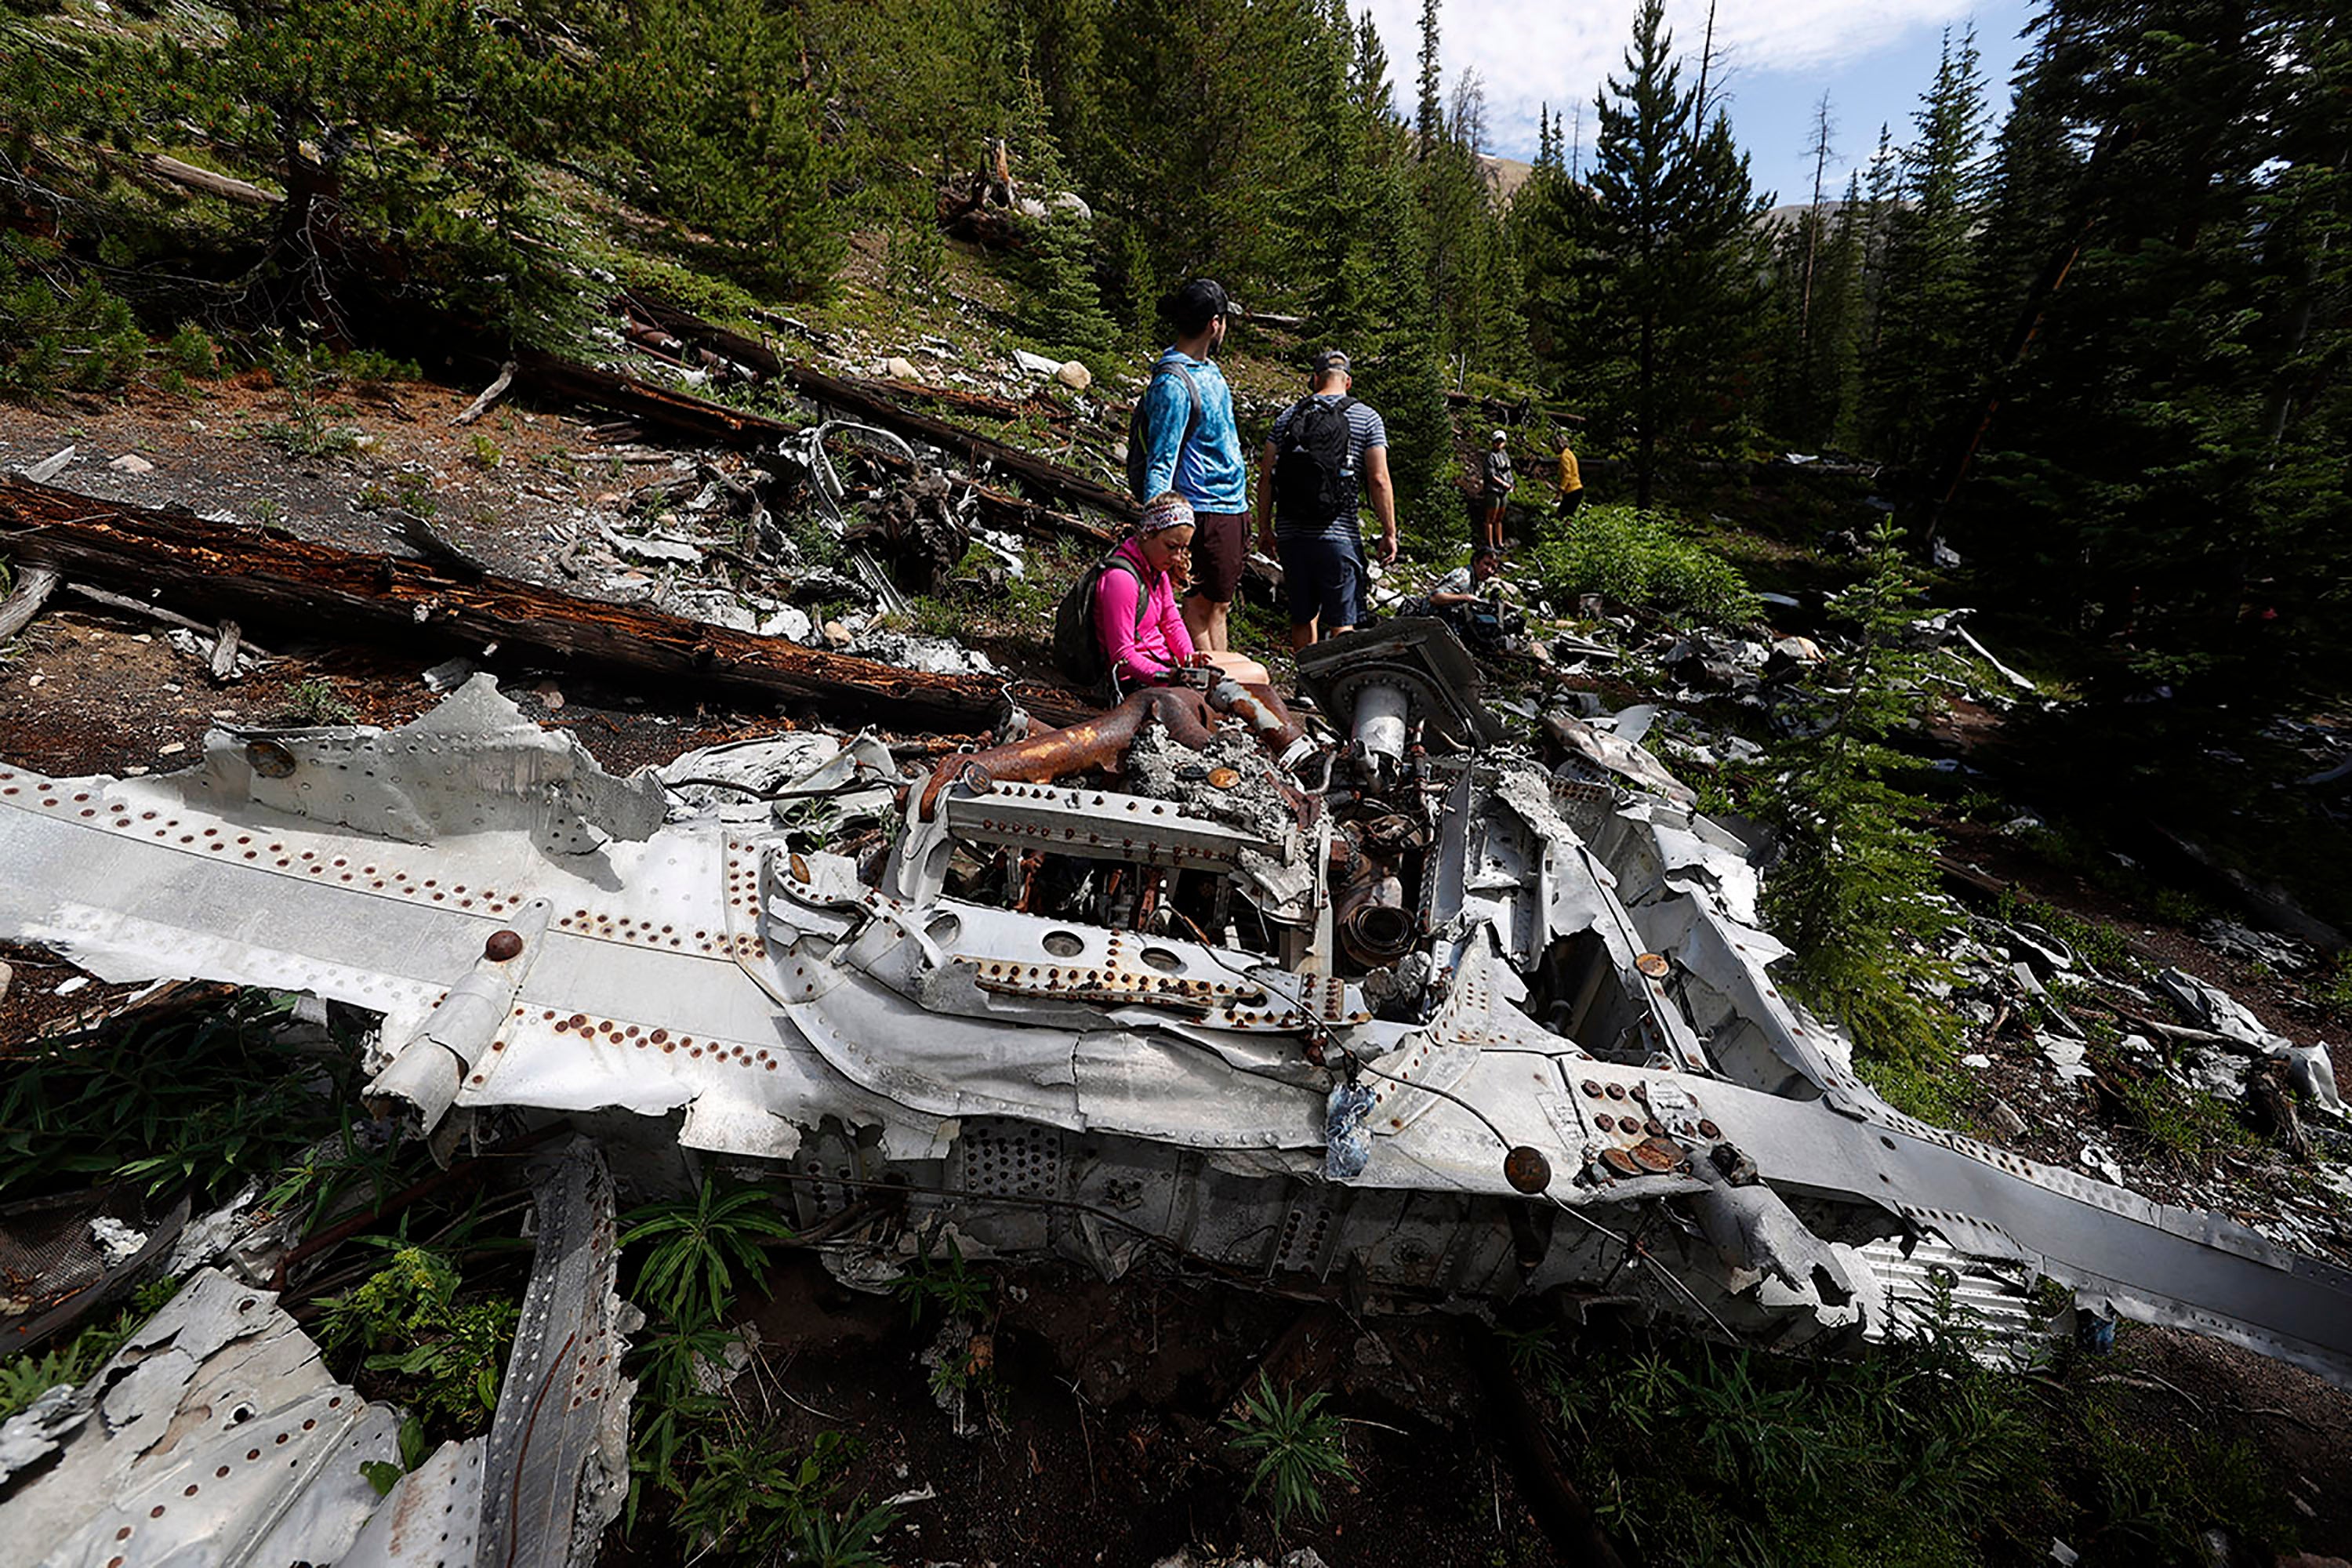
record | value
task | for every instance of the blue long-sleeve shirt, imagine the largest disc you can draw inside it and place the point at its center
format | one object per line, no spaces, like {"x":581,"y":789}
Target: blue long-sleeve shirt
{"x":1206,"y":470}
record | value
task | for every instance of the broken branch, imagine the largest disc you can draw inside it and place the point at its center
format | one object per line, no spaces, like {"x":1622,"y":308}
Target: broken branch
{"x":490,"y":394}
{"x":34,"y":587}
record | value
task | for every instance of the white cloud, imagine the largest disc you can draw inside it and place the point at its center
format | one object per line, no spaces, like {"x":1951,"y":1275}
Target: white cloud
{"x":1530,"y":52}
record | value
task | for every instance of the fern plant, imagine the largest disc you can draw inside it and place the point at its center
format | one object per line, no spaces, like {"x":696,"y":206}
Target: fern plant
{"x":689,"y":1272}
{"x":1297,"y":1446}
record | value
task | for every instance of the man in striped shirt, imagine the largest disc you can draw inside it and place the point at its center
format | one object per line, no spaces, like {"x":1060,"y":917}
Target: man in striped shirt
{"x":1327,"y":455}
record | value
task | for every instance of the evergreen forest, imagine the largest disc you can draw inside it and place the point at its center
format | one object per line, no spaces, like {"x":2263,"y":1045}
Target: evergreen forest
{"x":2098,"y":345}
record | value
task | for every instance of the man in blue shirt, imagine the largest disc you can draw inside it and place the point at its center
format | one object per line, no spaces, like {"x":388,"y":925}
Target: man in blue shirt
{"x":1199,"y":456}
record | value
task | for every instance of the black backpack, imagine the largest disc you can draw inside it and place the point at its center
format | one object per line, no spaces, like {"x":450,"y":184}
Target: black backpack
{"x":1077,"y":651}
{"x":1313,"y":481}
{"x":1138,"y":438}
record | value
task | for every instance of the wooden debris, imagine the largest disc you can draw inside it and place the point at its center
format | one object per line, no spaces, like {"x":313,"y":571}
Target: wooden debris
{"x":870,"y":403}
{"x":268,"y":579}
{"x":490,"y":394}
{"x":34,"y":587}
{"x":188,"y":177}
{"x":697,"y":421}
{"x":224,"y":660}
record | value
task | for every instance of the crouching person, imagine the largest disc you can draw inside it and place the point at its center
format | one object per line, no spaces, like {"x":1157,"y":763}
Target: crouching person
{"x":1471,"y":601}
{"x":1139,"y":628}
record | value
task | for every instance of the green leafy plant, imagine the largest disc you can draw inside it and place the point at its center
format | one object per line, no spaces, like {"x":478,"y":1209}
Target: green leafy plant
{"x":408,"y":1317}
{"x":750,"y":1498}
{"x":415,"y":1448}
{"x":952,"y":1286}
{"x":241,"y":1099}
{"x":1640,"y":558}
{"x":25,"y":1377}
{"x":315,"y":701}
{"x":1297,"y":1446}
{"x":672,"y":1406}
{"x":689,"y":1272}
{"x":484,"y":453}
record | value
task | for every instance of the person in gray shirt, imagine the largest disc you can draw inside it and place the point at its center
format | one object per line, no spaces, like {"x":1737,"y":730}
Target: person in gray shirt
{"x":1499,"y":480}
{"x":1327,"y":455}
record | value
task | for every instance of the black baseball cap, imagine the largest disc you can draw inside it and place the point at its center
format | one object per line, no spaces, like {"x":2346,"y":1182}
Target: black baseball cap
{"x":1199,"y":302}
{"x":1329,"y":360}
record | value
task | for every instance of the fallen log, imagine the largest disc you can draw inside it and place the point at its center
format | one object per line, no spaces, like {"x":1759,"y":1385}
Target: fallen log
{"x":189,"y":177}
{"x":34,"y":587}
{"x":265,"y":579}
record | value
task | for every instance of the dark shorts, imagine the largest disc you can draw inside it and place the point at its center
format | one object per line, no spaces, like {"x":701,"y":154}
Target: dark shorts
{"x":1220,"y":547}
{"x":1322,"y":579}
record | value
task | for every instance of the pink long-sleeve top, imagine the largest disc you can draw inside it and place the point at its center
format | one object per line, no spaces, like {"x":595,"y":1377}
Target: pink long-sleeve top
{"x":1140,"y":652}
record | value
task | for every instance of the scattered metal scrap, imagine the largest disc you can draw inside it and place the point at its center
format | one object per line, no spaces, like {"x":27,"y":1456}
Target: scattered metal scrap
{"x":1073,"y":1010}
{"x":215,"y":1435}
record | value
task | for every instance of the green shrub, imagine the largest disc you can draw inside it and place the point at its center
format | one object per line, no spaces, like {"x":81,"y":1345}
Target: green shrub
{"x":191,"y":351}
{"x":57,"y":332}
{"x":1640,"y":558}
{"x":446,"y":1353}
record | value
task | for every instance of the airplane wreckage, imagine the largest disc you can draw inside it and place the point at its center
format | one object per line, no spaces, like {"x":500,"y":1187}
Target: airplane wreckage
{"x":1394,"y":1013}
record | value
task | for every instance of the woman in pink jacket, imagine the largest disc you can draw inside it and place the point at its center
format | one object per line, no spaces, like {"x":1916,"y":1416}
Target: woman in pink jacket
{"x":1135,"y":616}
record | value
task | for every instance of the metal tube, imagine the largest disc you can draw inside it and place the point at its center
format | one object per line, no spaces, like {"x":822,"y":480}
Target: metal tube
{"x":1381,"y":713}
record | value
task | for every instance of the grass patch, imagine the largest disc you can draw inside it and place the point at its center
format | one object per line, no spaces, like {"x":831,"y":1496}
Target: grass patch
{"x":1694,"y":1454}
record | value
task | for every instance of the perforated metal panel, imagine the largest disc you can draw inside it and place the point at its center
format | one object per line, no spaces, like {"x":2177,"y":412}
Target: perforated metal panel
{"x":1304,"y":1243}
{"x":1004,"y":1158}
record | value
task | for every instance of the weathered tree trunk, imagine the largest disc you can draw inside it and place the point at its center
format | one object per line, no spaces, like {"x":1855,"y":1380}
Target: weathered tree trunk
{"x":266,"y":579}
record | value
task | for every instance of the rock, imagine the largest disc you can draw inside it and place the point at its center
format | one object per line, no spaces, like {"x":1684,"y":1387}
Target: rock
{"x":900,"y":369}
{"x":1074,"y":376}
{"x":2006,"y":1121}
{"x":1305,"y":1557}
{"x":549,"y":695}
{"x":131,"y":463}
{"x":836,"y":635}
{"x":1798,"y":650}
{"x":1036,"y":364}
{"x":7,"y":974}
{"x":1072,"y":203}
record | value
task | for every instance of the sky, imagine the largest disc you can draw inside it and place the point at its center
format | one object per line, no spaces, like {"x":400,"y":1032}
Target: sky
{"x":1874,"y":57}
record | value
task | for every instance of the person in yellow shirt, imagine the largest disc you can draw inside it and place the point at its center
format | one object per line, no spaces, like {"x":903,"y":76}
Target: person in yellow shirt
{"x":1571,"y":482}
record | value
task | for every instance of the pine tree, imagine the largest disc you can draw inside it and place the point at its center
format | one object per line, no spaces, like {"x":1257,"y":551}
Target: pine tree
{"x":1429,"y":116}
{"x":731,"y":147}
{"x":1063,"y":305}
{"x":1853,"y":894}
{"x":2126,"y":480}
{"x":1928,"y":354}
{"x":1663,"y":313}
